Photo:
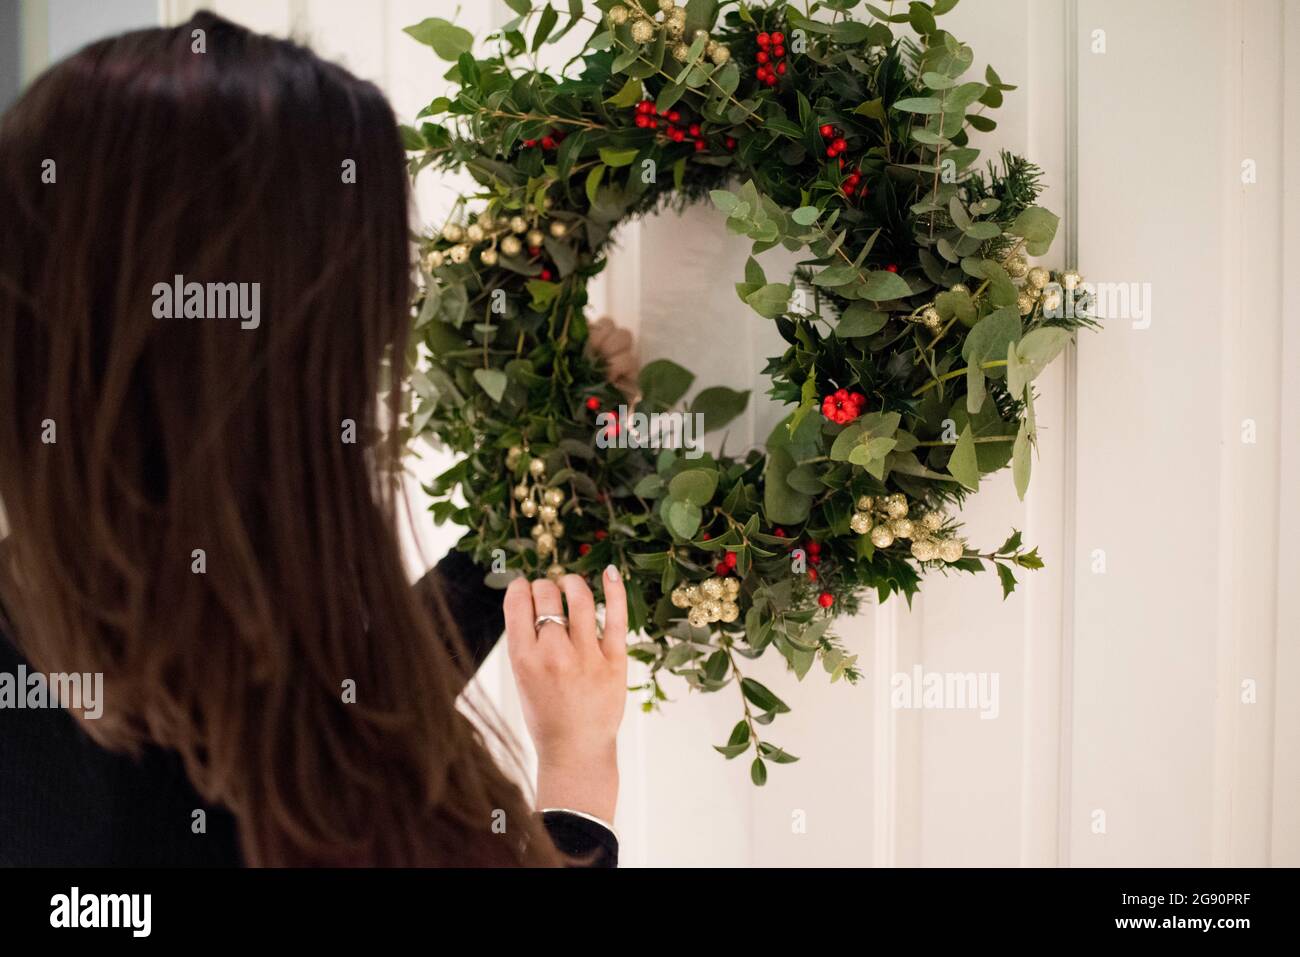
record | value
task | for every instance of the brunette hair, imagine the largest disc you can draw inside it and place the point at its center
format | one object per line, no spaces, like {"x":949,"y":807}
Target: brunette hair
{"x":175,"y":435}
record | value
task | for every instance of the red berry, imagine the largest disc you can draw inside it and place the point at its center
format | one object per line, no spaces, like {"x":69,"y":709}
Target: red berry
{"x":814,"y":548}
{"x":780,"y":68}
{"x":826,"y":599}
{"x":699,"y":146}
{"x":761,"y":57}
{"x":674,"y":116}
{"x":778,"y":37}
{"x":584,"y":549}
{"x":771,"y":79}
{"x":545,"y":275}
{"x":763,"y":39}
{"x":830,"y":151}
{"x":778,"y":52}
{"x":721,"y":568}
{"x":779,"y":532}
{"x":891,"y":268}
{"x":730,"y":559}
{"x":548,"y":142}
{"x":676,"y":135}
{"x":528,"y":144}
{"x":814,"y":559}
{"x":593,"y":403}
{"x":812,"y":574}
{"x":601,"y":534}
{"x":840,"y":144}
{"x":841,"y":394}
{"x":706,"y":536}
{"x":643,"y":121}
{"x":534,"y":250}
{"x":694,"y":129}
{"x":841,"y":162}
{"x":827,"y":131}
{"x":731,"y":142}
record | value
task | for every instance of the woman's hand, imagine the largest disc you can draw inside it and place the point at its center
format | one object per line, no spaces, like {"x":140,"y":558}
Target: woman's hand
{"x":573,"y":686}
{"x":617,"y":347}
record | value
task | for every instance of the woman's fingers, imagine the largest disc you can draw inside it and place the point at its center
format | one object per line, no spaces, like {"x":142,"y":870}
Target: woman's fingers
{"x":582,"y":612}
{"x":547,"y":601}
{"x":520,"y":634}
{"x":615,"y":644}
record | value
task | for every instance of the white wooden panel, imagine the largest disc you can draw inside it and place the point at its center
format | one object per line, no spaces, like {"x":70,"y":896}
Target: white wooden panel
{"x":1284,"y":814}
{"x":1119,"y":691}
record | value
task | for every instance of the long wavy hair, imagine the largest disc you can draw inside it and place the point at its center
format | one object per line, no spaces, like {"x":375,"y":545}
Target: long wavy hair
{"x":131,"y":443}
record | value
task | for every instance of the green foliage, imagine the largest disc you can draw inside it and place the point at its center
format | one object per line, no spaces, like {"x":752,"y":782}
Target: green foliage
{"x":904,"y":295}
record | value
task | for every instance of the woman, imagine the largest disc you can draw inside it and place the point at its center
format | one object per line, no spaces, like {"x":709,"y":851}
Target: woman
{"x":202,"y":509}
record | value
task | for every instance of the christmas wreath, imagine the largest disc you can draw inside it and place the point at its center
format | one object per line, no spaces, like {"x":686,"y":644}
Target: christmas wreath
{"x":916,"y":325}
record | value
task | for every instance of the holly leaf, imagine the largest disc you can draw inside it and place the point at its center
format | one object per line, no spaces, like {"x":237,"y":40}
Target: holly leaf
{"x":1008,"y":579}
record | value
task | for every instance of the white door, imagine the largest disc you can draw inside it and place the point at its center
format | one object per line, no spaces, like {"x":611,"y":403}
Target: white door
{"x":1148,"y":705}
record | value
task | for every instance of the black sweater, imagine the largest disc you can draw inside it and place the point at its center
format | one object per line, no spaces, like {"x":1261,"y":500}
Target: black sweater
{"x":65,"y":801}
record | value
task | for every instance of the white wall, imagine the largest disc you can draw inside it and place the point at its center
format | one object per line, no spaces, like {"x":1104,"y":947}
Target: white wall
{"x":1120,"y":691}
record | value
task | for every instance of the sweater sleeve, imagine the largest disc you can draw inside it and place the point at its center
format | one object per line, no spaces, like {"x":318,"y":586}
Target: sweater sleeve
{"x":588,"y":840}
{"x":474,"y":607}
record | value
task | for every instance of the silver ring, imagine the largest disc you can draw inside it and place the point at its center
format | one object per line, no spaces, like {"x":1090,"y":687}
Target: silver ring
{"x":557,"y":619}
